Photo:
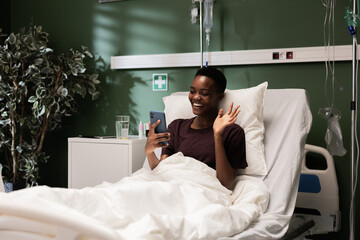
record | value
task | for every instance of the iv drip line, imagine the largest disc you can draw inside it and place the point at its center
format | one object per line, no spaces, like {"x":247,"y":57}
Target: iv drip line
{"x":333,"y":136}
{"x":207,"y":43}
{"x":329,"y":40}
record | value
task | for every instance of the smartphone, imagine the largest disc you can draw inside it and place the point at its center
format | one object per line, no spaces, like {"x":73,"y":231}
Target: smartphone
{"x":161,"y":128}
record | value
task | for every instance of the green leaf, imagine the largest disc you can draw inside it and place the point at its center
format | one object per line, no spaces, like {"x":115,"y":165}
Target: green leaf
{"x":96,"y":81}
{"x":28,"y":39}
{"x":92,"y":85}
{"x":38,"y":61}
{"x":93,"y":77}
{"x":41,"y":112}
{"x":12,"y":38}
{"x":57,"y":107}
{"x":38,"y":29}
{"x":95,"y":95}
{"x":62,"y":91}
{"x":32,"y":99}
{"x":22,"y":121}
{"x":74,"y":71}
{"x":88,"y":54}
{"x":5,"y":122}
{"x":91,"y":91}
{"x":35,"y":105}
{"x":46,"y":70}
{"x":46,"y":50}
{"x":67,"y":104}
{"x":78,"y":88}
{"x":40,"y":92}
{"x":19,"y":149}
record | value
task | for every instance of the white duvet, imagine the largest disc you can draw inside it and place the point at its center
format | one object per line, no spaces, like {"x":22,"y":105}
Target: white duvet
{"x":180,"y":199}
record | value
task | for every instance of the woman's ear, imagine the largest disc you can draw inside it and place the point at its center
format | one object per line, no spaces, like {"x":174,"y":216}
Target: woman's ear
{"x":221,"y":96}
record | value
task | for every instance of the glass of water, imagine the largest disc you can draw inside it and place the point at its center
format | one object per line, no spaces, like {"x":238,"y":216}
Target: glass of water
{"x":122,"y":124}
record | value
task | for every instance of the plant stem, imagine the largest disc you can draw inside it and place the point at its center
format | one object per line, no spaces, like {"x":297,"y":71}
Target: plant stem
{"x":8,"y":161}
{"x":13,"y":129}
{"x":43,"y":132}
{"x":21,"y":127}
{"x":13,"y":78}
{"x":46,"y":119}
{"x":22,"y":114}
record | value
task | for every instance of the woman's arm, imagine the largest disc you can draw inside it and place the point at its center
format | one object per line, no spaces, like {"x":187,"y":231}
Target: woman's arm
{"x":153,"y":142}
{"x":153,"y":160}
{"x":224,"y":172}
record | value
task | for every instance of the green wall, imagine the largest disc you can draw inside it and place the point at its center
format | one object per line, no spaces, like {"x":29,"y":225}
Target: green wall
{"x":5,"y":16}
{"x":136,"y":27}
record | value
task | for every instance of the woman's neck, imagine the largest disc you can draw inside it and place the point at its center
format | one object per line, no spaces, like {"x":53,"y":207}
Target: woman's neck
{"x":203,"y":122}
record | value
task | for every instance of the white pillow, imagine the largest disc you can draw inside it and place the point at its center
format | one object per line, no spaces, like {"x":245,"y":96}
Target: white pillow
{"x":251,"y":101}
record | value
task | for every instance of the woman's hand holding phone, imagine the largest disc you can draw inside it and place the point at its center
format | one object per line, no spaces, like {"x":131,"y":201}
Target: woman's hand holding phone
{"x":155,"y":140}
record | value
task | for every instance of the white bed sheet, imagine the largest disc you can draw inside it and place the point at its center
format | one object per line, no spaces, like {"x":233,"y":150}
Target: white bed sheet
{"x":180,"y":199}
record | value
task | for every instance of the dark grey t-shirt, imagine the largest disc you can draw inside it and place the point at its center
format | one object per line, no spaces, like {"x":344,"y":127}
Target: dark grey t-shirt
{"x":199,"y":143}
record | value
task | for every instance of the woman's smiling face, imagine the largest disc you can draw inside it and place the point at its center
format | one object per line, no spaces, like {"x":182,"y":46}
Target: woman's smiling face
{"x":203,"y":96}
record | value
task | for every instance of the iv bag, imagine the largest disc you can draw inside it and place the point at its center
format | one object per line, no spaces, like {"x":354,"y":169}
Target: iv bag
{"x":208,"y":18}
{"x":333,"y":136}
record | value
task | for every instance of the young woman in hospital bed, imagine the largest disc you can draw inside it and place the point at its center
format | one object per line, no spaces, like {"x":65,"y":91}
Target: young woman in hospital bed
{"x":183,"y":198}
{"x":211,"y":136}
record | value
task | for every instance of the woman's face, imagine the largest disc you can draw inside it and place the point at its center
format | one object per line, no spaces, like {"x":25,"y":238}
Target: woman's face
{"x":203,"y":96}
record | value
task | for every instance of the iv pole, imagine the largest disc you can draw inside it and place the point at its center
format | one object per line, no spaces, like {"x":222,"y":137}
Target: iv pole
{"x":201,"y":35}
{"x":353,"y":119}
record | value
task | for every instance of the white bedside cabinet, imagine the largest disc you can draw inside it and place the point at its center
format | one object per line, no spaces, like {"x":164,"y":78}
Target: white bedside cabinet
{"x":92,"y":161}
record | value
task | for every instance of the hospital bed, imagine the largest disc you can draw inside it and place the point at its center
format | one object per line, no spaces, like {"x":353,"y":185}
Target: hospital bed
{"x":287,"y":120}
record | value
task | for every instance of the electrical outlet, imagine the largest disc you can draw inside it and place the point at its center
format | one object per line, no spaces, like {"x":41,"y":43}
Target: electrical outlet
{"x":289,"y":55}
{"x":276,"y":56}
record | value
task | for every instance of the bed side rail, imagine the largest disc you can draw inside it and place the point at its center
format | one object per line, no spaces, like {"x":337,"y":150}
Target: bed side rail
{"x":318,"y":194}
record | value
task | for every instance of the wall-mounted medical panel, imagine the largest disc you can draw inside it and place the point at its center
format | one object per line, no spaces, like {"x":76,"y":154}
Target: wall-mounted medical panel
{"x":241,"y":57}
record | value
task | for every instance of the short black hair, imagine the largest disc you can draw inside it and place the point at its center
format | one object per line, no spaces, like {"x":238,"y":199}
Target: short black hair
{"x":216,"y":75}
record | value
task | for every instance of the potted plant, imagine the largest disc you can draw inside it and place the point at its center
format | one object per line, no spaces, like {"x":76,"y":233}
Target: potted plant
{"x":37,"y":89}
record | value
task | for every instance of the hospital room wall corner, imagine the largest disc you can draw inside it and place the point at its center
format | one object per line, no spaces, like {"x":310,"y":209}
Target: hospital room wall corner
{"x":161,"y":27}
